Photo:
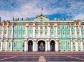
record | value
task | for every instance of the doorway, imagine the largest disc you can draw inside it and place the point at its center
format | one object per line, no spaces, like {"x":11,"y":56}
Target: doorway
{"x":52,"y":45}
{"x":41,"y":45}
{"x":30,"y":45}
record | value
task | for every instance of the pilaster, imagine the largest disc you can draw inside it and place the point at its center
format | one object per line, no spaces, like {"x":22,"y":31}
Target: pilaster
{"x":26,"y":30}
{"x":48,"y":29}
{"x":56,"y":27}
{"x":71,"y":45}
{"x":76,"y":45}
{"x":43,"y":31}
{"x":81,"y":45}
{"x":46,"y":46}
{"x":6,"y":45}
{"x":1,"y":46}
{"x":34,"y":30}
{"x":56,"y":45}
{"x":25,"y":45}
{"x":35,"y":46}
{"x":38,"y":31}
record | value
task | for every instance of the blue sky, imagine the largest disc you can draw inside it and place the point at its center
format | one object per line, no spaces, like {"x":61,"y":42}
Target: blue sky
{"x":61,"y":9}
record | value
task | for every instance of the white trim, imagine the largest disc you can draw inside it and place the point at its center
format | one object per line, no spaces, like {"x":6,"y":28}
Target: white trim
{"x":76,"y":45}
{"x":25,"y":46}
{"x":57,"y":46}
{"x":81,"y":45}
{"x":6,"y":46}
{"x":33,"y":31}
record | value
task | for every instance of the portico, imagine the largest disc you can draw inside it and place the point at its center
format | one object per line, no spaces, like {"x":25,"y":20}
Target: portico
{"x":41,"y":45}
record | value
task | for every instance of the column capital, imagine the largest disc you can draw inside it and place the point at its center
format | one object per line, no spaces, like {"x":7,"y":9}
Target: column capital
{"x":34,"y":25}
{"x":47,"y":39}
{"x":34,"y":40}
{"x":70,"y":24}
{"x":12,"y":24}
{"x":48,"y":24}
{"x":56,"y":25}
{"x":27,"y":24}
{"x":56,"y":41}
{"x":26,"y":41}
{"x":7,"y":26}
{"x":76,"y":23}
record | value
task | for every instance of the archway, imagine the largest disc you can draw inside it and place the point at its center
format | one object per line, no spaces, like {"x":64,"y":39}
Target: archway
{"x":41,"y":45}
{"x":52,"y":45}
{"x":30,"y":45}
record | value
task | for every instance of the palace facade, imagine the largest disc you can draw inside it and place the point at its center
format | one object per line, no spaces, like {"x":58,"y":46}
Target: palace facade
{"x":41,"y":34}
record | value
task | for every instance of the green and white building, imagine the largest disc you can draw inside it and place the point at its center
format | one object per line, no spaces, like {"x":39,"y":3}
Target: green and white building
{"x":42,"y":34}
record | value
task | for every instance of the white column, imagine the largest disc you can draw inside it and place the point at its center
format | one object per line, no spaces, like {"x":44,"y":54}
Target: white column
{"x":80,"y":35}
{"x":11,"y":45}
{"x":7,"y":32}
{"x":34,"y":31}
{"x":38,"y":31}
{"x":48,"y":29}
{"x":70,"y":32}
{"x":76,"y":45}
{"x":1,"y":46}
{"x":43,"y":31}
{"x":12,"y":35}
{"x":25,"y":46}
{"x":80,"y":32}
{"x":12,"y":31}
{"x":75,"y":31}
{"x":56,"y":32}
{"x":81,"y":45}
{"x":57,"y":46}
{"x":6,"y":46}
{"x":35,"y":46}
{"x":55,"y":28}
{"x":26,"y":32}
{"x":71,"y":46}
{"x":6,"y":43}
{"x":48,"y":43}
{"x":2,"y":38}
{"x":71,"y":38}
{"x":46,"y":46}
{"x":2,"y":32}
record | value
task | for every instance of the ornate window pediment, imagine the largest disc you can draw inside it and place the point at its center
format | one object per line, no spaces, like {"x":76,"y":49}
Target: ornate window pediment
{"x":5,"y":23}
{"x":41,"y":18}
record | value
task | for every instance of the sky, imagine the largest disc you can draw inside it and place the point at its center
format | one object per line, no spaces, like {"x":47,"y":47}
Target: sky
{"x":60,"y":9}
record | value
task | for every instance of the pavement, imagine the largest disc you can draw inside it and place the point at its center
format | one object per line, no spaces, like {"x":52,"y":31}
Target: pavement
{"x":39,"y":56}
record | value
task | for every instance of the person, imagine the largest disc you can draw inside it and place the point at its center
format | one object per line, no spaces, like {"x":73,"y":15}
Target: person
{"x":30,"y":46}
{"x":41,"y":46}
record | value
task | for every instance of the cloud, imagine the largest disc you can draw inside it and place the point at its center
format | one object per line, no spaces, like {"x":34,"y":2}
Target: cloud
{"x":32,"y":8}
{"x":79,"y":17}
